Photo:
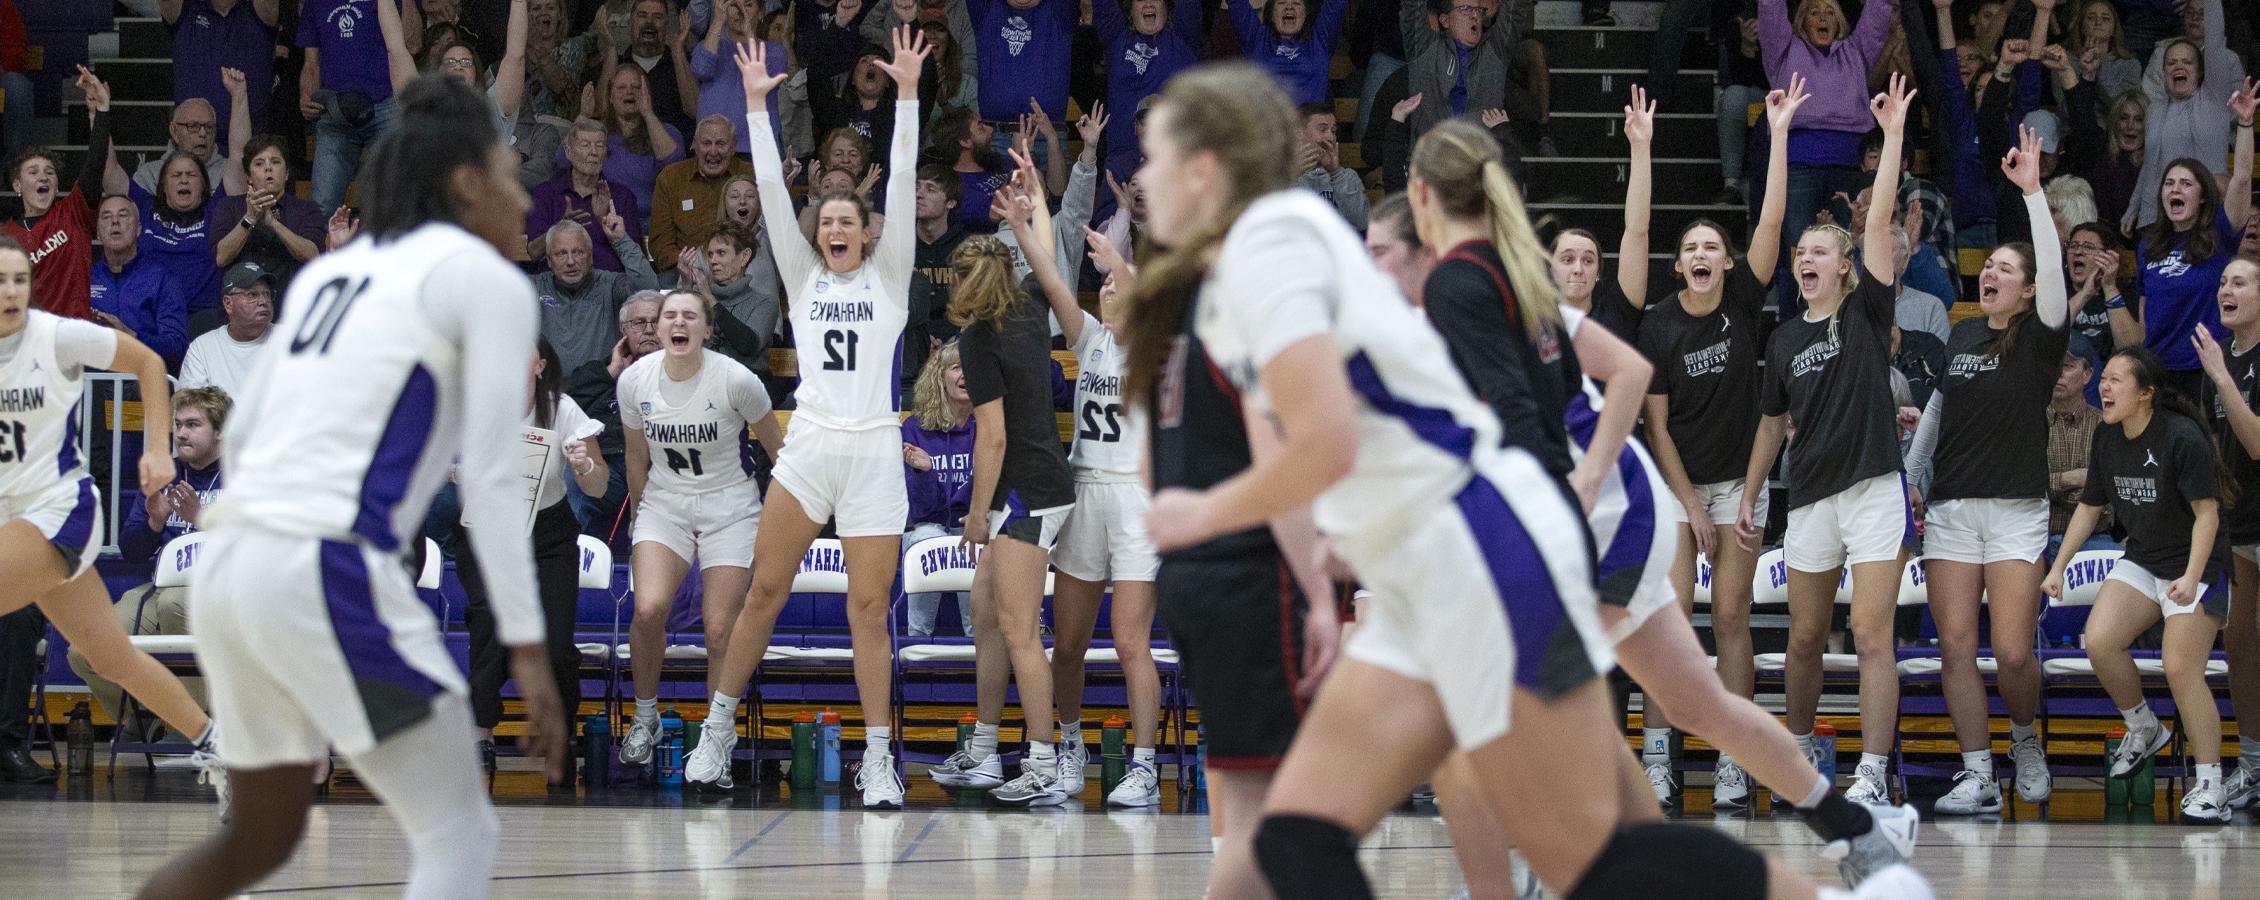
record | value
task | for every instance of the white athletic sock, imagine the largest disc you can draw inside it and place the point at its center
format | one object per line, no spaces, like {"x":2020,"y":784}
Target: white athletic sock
{"x":2248,"y":749}
{"x":2208,"y":774}
{"x":1042,"y":750}
{"x":1812,"y":799}
{"x":984,"y":742}
{"x":722,"y":710}
{"x":205,"y":742}
{"x":1655,"y":745}
{"x":1071,"y":734}
{"x":647,"y":710}
{"x":1877,"y":760}
{"x":1146,"y":755}
{"x":1804,"y":742}
{"x":2139,"y":716}
{"x":877,"y":741}
{"x":2020,"y":732}
{"x":1042,"y":757}
{"x":1980,"y":761}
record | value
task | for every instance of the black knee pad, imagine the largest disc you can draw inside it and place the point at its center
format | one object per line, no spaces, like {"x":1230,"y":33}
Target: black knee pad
{"x":1303,"y":857}
{"x":1662,"y":859}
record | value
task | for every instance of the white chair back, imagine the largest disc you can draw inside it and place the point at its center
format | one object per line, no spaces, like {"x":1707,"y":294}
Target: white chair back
{"x":2084,"y":575}
{"x":175,"y":561}
{"x":1770,"y":584}
{"x":823,"y":570}
{"x":1702,"y":581}
{"x":1912,"y":584}
{"x":596,"y":564}
{"x":938,"y":564}
{"x":428,"y":580}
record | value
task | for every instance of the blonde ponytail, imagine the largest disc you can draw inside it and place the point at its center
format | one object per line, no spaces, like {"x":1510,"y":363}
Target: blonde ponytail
{"x":1527,"y":269}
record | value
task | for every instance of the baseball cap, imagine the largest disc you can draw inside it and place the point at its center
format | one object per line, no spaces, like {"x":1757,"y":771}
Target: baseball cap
{"x":1146,"y":103}
{"x":2083,"y":348}
{"x":2049,"y":128}
{"x":243,"y":275}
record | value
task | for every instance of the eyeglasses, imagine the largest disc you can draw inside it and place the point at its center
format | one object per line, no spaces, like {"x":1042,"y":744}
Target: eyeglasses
{"x":1470,"y":9}
{"x":641,"y":324}
{"x":2082,"y":246}
{"x":197,"y":127}
{"x":460,"y":65}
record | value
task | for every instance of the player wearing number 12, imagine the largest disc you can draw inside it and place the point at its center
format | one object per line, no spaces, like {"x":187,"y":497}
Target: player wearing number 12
{"x":843,"y":462}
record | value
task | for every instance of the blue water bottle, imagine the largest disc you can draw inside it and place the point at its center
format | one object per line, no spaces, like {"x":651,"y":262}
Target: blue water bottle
{"x":596,"y":747}
{"x":670,"y":755}
{"x":1824,"y":746}
{"x":1200,"y":758}
{"x":828,"y":747}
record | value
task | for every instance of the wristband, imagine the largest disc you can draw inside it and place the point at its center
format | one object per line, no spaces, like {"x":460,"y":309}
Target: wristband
{"x":2117,"y":301}
{"x":247,"y":223}
{"x":2243,"y":124}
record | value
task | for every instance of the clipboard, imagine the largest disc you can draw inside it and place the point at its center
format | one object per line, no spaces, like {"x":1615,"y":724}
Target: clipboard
{"x":537,"y":465}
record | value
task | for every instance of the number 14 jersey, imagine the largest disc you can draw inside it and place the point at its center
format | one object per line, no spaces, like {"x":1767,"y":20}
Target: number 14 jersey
{"x":696,"y":429}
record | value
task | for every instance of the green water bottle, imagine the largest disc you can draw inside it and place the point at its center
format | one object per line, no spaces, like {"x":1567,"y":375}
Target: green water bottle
{"x":804,"y":751}
{"x":2142,"y":783}
{"x":965,"y":726}
{"x":1112,"y":759}
{"x":2114,"y":789}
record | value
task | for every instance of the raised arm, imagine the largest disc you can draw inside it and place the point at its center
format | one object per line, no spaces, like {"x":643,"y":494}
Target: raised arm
{"x":1765,"y":239}
{"x":898,"y":245}
{"x":510,"y":74}
{"x":1247,"y":21}
{"x":796,"y":260}
{"x":1775,"y":35}
{"x":1632,"y":250}
{"x":1890,"y":109}
{"x":1032,"y":226}
{"x":1109,"y":22}
{"x":239,"y":130}
{"x":399,"y":60}
{"x":2022,"y":166}
{"x":2238,"y":201}
{"x":1874,"y":28}
{"x":1416,"y":27}
{"x":1328,"y":26}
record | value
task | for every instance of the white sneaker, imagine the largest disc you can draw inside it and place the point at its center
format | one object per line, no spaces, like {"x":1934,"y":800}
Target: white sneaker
{"x":1034,"y":787}
{"x":2139,"y":744}
{"x":635,"y":747}
{"x":882,"y":788}
{"x":1140,"y":787}
{"x":2243,"y":786}
{"x":1525,"y":881}
{"x":1870,"y":785}
{"x":1891,"y":843}
{"x":1073,"y":759}
{"x":210,"y":771}
{"x":2034,"y":781}
{"x":1663,"y":782}
{"x":962,"y":772}
{"x":709,"y":766}
{"x":2205,"y":804}
{"x":1730,"y":787}
{"x":1973,"y":793}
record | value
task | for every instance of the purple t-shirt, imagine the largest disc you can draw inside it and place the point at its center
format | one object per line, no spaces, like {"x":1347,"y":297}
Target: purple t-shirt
{"x":204,"y":41}
{"x":555,"y":199}
{"x":1024,"y":53}
{"x":943,"y":494}
{"x":352,"y":49}
{"x":638,"y":172}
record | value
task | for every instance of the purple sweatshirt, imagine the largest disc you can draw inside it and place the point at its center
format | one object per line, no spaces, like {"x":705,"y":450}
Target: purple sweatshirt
{"x":944,"y":494}
{"x":1025,"y":53}
{"x":1828,"y":128}
{"x":1301,"y":65}
{"x":1137,"y":65}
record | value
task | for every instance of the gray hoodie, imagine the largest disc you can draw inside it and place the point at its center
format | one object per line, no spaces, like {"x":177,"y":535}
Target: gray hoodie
{"x":583,"y":321}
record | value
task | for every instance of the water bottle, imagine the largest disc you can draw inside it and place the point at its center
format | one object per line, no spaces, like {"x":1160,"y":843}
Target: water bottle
{"x":670,"y":753}
{"x":596,"y":738}
{"x":804,"y":751}
{"x":2142,"y":783}
{"x":965,"y":726}
{"x":1112,"y":762}
{"x":828,"y":747}
{"x":1824,"y":746}
{"x":1200,"y":758}
{"x":79,"y":735}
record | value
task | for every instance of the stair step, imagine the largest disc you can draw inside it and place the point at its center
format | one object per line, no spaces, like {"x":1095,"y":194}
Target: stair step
{"x":1618,"y":48}
{"x":1607,"y":89}
{"x":1597,"y":179}
{"x":1683,"y":135}
{"x":1606,"y":222}
{"x":144,"y":36}
{"x":137,"y":78}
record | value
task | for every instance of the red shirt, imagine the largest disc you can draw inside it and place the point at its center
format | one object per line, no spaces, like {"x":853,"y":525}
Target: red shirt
{"x":62,"y":255}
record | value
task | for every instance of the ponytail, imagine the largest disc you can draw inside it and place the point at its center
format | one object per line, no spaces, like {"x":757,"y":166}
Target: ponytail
{"x":1536,"y":298}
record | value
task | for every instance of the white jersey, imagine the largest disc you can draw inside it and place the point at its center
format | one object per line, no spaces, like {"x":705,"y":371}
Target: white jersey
{"x":1108,"y":436}
{"x":1291,"y":269}
{"x":389,"y":362}
{"x":847,"y":328}
{"x":40,"y":369}
{"x":696,"y":429}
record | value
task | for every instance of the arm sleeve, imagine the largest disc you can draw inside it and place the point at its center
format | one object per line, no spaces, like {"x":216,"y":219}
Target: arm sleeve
{"x":487,"y":308}
{"x":1926,"y":441}
{"x":635,"y":266}
{"x":168,"y":318}
{"x":82,"y":345}
{"x":1873,"y":29}
{"x":1412,"y":21}
{"x":135,"y":540}
{"x":704,"y":63}
{"x":97,"y":158}
{"x":1774,"y":39}
{"x":2050,"y":299}
{"x":898,"y":246}
{"x":1247,"y":22}
{"x":1277,"y":285}
{"x":796,"y":260}
{"x":1329,"y":24}
{"x":747,"y":395}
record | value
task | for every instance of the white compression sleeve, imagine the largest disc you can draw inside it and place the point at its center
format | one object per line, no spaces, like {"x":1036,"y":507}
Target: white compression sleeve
{"x":1926,"y":441}
{"x":2050,"y":300}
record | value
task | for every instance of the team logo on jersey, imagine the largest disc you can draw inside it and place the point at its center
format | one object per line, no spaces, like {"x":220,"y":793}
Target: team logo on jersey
{"x":1017,"y":34}
{"x":823,"y":284}
{"x":1549,"y":346}
{"x":1139,"y":56}
{"x":709,"y":406}
{"x":1969,"y":365}
{"x":2150,"y":460}
{"x":1287,"y":50}
{"x":1811,"y":360}
{"x":2136,"y":491}
{"x":645,"y":407}
{"x":1710,"y":360}
{"x":2172,"y":266}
